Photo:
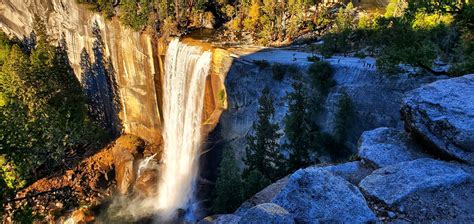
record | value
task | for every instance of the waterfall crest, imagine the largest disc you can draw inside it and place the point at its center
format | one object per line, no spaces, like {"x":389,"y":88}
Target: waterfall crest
{"x":186,"y":69}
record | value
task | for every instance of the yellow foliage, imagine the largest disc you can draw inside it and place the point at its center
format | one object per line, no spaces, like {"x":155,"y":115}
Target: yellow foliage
{"x":170,"y":27}
{"x":366,"y":21}
{"x":229,"y":11}
{"x":235,"y":24}
{"x":396,"y":8}
{"x":251,"y":22}
{"x":2,"y":100}
{"x":428,"y":21}
{"x":10,"y":175}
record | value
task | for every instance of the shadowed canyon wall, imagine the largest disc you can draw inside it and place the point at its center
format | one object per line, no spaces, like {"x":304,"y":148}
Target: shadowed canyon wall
{"x":137,"y":59}
{"x":375,"y":98}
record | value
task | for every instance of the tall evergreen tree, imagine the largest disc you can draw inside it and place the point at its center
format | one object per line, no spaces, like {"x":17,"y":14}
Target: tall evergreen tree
{"x":229,"y":187}
{"x":344,"y":105}
{"x":69,"y":99}
{"x":297,"y":128}
{"x":263,"y":151}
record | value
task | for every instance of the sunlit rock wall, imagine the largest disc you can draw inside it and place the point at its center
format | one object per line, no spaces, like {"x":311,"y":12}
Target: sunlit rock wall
{"x":133,"y":55}
{"x":137,"y":59}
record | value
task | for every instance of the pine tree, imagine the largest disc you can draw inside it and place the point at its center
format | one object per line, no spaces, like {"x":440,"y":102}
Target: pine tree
{"x":342,"y":117}
{"x":69,"y":99}
{"x":297,"y":128}
{"x":229,"y":186}
{"x":263,"y":151}
{"x":254,"y":182}
{"x":42,"y":110}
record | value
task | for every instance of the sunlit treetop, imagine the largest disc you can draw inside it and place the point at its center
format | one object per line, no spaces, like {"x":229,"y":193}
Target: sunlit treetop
{"x":440,"y":6}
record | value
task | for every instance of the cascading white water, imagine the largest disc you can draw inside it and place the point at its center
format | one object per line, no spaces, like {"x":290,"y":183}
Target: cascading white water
{"x":186,"y":69}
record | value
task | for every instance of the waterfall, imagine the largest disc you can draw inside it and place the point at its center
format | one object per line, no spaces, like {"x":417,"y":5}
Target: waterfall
{"x":186,"y":69}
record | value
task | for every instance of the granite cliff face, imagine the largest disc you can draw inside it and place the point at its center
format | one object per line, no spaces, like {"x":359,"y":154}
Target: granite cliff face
{"x":137,"y":59}
{"x":134,"y":56}
{"x":375,"y":98}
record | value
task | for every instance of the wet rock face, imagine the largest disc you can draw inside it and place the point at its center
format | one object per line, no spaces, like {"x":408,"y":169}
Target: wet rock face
{"x":315,"y":195}
{"x":267,"y":213}
{"x":125,"y":153}
{"x":441,"y":115}
{"x":145,"y":185}
{"x":244,"y":84}
{"x":387,"y":146}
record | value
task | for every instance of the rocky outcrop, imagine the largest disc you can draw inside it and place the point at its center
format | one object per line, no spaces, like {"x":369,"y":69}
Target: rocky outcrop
{"x":441,"y":115}
{"x":387,"y":146}
{"x":424,"y":189}
{"x":89,"y":182}
{"x":264,"y":196}
{"x":315,"y":195}
{"x":392,"y":184}
{"x":93,"y":180}
{"x":267,"y":213}
{"x":353,"y":172}
{"x":125,"y":152}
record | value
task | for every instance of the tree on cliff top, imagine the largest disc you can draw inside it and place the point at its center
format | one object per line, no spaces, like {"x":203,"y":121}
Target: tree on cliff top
{"x":263,"y":151}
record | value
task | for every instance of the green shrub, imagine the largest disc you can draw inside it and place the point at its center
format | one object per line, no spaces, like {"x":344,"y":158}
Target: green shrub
{"x":24,"y":215}
{"x":135,"y":13}
{"x":293,"y":70}
{"x":321,"y":76}
{"x":278,"y":71}
{"x":255,"y":181}
{"x":262,"y":64}
{"x":5,"y":46}
{"x":313,"y":58}
{"x":360,"y":55}
{"x":222,"y":97}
